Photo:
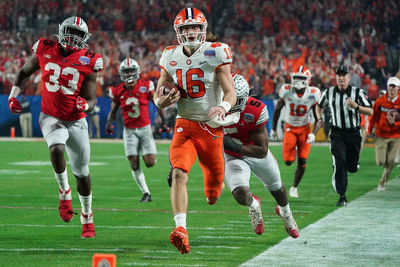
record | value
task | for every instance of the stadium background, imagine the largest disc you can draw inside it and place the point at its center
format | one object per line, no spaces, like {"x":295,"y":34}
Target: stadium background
{"x":268,"y":39}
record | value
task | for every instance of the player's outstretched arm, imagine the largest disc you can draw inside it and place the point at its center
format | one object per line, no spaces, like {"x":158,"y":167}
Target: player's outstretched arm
{"x":88,"y":91}
{"x":30,"y":66}
{"x":160,"y":99}
{"x":112,"y":115}
{"x":275,"y":118}
{"x":23,"y":75}
{"x":259,"y":149}
{"x":225,"y":79}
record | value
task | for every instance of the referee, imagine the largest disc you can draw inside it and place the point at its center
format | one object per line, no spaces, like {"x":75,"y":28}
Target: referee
{"x":345,"y":104}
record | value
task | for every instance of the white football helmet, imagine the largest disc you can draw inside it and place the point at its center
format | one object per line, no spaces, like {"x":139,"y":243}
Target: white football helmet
{"x":242,"y":93}
{"x":301,"y":78}
{"x":129,"y":70}
{"x":73,"y":33}
{"x":190,"y":16}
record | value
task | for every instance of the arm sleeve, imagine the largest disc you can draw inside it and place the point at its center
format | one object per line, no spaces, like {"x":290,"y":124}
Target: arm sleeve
{"x":323,"y":102}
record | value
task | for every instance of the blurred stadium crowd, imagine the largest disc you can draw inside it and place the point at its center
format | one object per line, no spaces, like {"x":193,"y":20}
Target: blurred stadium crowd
{"x":268,"y":39}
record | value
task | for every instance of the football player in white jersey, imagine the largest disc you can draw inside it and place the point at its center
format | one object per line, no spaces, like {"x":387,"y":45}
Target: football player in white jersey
{"x":299,"y":99}
{"x":246,"y":152}
{"x":202,"y":72}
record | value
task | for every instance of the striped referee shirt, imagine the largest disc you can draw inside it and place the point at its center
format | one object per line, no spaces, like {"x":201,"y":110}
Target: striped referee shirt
{"x":343,"y":117}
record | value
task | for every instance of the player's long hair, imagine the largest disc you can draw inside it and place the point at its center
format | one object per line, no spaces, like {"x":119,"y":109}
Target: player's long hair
{"x":212,"y":38}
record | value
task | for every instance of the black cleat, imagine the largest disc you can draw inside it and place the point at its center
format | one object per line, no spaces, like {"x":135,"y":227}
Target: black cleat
{"x":342,"y":201}
{"x":146,"y":198}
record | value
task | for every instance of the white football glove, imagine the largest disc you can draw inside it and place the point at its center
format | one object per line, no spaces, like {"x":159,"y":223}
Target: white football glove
{"x":311,"y":138}
{"x":273,"y":135}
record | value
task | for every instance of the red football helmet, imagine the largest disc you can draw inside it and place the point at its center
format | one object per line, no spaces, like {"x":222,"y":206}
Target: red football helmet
{"x":190,"y":16}
{"x":301,"y":78}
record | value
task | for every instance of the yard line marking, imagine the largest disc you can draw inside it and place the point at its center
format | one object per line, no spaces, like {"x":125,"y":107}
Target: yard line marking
{"x":227,"y":247}
{"x":68,"y":249}
{"x":110,"y":226}
{"x":18,"y":172}
{"x":125,"y":210}
{"x":48,"y":163}
{"x":87,"y":250}
{"x":363,"y":233}
{"x":160,"y":264}
{"x":225,"y":237}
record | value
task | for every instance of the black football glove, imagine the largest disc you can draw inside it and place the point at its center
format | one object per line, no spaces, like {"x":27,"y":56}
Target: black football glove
{"x":230,"y":145}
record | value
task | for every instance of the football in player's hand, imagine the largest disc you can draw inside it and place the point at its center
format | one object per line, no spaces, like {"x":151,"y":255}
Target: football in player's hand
{"x":168,"y":86}
{"x":395,"y":114}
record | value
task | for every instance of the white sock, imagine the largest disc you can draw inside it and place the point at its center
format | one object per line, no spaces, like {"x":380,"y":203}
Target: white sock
{"x":180,"y":220}
{"x":62,"y":180}
{"x":254,"y":205}
{"x":138,"y":176}
{"x":86,"y":203}
{"x":285,"y":210}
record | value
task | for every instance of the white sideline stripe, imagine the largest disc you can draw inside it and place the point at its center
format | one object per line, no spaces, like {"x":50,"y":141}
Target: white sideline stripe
{"x":364,"y":233}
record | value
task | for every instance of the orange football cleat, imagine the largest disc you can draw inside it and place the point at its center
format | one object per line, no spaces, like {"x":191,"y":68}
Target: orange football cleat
{"x":179,"y":238}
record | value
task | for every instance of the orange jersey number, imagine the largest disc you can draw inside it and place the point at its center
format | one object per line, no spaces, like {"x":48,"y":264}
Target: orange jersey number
{"x":195,"y":88}
{"x":298,"y":111}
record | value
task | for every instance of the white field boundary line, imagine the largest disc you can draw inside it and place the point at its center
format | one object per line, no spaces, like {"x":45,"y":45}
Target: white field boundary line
{"x":364,"y":233}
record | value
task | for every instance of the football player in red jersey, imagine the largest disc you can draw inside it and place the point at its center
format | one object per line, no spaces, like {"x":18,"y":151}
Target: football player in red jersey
{"x":246,"y":152}
{"x":69,"y":72}
{"x":133,"y":97}
{"x":206,"y":92}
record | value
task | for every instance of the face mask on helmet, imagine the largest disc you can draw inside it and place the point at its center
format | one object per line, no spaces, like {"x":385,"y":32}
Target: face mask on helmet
{"x":129,"y":70}
{"x":186,"y":18}
{"x":73,"y":34}
{"x":301,"y":78}
{"x":242,"y":93}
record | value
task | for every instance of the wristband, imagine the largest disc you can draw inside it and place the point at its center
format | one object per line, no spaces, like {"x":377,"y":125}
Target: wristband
{"x":86,"y":106}
{"x":225,"y":105}
{"x":156,"y":102}
{"x":357,"y":108}
{"x":320,"y":119}
{"x":14,"y":91}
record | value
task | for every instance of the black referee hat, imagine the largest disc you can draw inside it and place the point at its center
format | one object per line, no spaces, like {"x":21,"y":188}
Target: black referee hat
{"x":342,"y":70}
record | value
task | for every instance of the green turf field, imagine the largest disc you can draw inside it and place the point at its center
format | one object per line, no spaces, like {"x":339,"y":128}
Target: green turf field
{"x":32,"y":234}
